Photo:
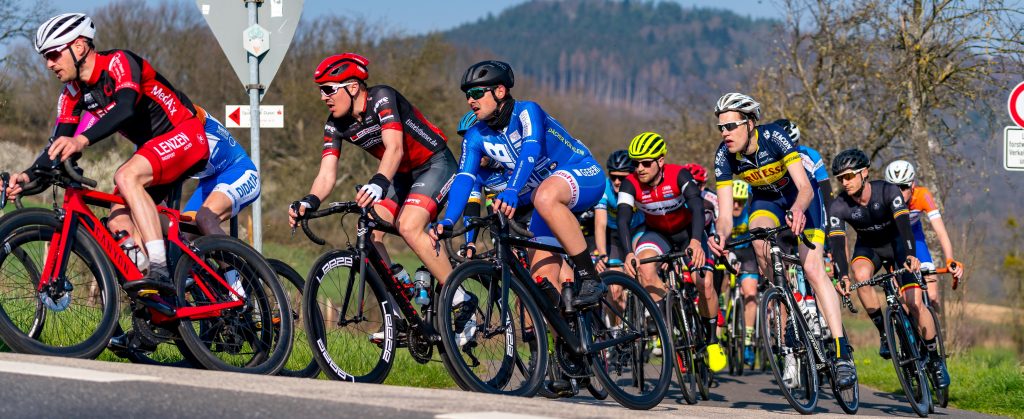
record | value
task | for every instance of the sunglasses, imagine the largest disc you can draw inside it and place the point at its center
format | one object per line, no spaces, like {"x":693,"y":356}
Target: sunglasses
{"x":330,"y":89}
{"x":645,"y":163}
{"x":729,"y":126}
{"x":478,"y":92}
{"x":849,"y":175}
{"x":905,"y":187}
{"x":619,"y":178}
{"x":55,"y":53}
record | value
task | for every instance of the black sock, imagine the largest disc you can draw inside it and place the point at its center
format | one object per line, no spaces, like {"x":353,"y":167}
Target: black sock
{"x":876,"y":318}
{"x":585,"y":269}
{"x":842,"y":348}
{"x":933,"y":347}
{"x":710,"y":326}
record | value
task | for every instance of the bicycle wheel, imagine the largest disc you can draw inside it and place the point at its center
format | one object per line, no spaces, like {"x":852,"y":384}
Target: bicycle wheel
{"x":700,"y":354}
{"x":353,"y":336}
{"x":76,"y":321}
{"x":686,"y":375}
{"x":909,"y":366}
{"x":166,"y":351}
{"x":941,"y":394}
{"x":489,"y":354}
{"x":782,"y":338}
{"x":737,"y":336}
{"x":301,"y":362}
{"x":645,"y":385}
{"x":248,"y":339}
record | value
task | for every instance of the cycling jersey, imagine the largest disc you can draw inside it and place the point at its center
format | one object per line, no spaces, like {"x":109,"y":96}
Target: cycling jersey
{"x":883,"y":221}
{"x":710,"y":207}
{"x":225,"y":152}
{"x":813,"y":163}
{"x":610,"y":202}
{"x":127,"y":95}
{"x":534,"y":146}
{"x":229,"y":170}
{"x":386,"y":109}
{"x":741,"y":227}
{"x":921,"y":201}
{"x":667,"y":208}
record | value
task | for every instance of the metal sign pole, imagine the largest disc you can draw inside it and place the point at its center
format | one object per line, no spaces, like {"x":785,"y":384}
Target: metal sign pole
{"x":254,"y":106}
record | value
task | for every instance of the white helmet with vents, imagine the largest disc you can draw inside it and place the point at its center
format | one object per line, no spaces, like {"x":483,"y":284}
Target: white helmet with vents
{"x":900,"y":172}
{"x":60,"y":30}
{"x":738,"y":102}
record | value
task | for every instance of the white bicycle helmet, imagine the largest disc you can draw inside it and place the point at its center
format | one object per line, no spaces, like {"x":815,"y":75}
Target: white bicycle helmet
{"x":60,"y":30}
{"x":738,"y":102}
{"x":900,"y":172}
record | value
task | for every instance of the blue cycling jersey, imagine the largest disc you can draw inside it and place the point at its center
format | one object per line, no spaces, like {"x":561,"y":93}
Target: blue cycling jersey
{"x":610,"y":203}
{"x":813,"y":163}
{"x":225,"y":152}
{"x":741,"y":226}
{"x":533,"y":146}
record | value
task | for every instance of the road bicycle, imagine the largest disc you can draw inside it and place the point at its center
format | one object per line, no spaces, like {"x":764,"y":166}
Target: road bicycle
{"x":69,"y":307}
{"x":508,"y":350}
{"x":356,"y":313}
{"x":786,"y":333}
{"x":908,"y":352}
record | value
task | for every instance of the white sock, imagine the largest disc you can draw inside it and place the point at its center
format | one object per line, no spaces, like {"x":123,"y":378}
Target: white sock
{"x":156,"y":252}
{"x":460,"y":296}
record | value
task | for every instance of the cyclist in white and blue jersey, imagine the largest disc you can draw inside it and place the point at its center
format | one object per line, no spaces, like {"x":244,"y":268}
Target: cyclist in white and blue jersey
{"x":550,"y":169}
{"x":610,"y":252}
{"x":811,"y":159}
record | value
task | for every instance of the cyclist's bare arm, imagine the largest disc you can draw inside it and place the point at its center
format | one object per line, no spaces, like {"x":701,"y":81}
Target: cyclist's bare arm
{"x":601,"y":230}
{"x":803,"y":185}
{"x":724,"y":225}
{"x":393,"y":152}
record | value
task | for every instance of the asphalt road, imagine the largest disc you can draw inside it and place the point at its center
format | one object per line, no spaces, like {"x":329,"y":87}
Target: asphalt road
{"x":56,"y":387}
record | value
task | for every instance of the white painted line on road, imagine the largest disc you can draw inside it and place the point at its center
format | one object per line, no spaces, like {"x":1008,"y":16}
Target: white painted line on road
{"x":81,"y":374}
{"x":487,"y":415}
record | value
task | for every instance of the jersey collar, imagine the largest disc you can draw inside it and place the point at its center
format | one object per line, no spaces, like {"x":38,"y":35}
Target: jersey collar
{"x":757,"y":145}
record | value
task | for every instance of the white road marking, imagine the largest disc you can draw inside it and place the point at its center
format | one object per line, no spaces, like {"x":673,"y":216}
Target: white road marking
{"x":487,"y":415}
{"x":70,"y":373}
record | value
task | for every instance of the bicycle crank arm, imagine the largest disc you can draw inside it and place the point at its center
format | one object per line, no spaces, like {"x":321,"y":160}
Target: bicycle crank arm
{"x":597,"y":347}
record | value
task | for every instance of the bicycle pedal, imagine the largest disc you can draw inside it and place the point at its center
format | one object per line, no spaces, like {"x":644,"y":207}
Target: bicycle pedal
{"x":147,"y":293}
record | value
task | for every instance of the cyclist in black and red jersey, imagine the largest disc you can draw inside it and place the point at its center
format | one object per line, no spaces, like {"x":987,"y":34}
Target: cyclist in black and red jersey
{"x":416,"y":165}
{"x":129,"y":97}
{"x":878,"y":212}
{"x":666,"y":193}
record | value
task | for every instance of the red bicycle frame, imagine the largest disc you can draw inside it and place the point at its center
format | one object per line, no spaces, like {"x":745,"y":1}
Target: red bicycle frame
{"x":76,"y":214}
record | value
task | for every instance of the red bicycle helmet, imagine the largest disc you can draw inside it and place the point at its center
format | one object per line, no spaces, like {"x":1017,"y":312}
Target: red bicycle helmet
{"x":338,"y":68}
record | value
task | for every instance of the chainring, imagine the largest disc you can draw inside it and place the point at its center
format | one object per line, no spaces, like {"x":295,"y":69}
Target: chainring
{"x":420,"y":348}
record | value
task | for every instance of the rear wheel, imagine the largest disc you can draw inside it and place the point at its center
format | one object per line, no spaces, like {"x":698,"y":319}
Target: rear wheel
{"x":737,"y":335}
{"x":74,"y":317}
{"x":907,"y":361}
{"x":686,"y":375}
{"x":785,"y":344}
{"x":941,"y":394}
{"x":301,"y":362}
{"x":252,"y":338}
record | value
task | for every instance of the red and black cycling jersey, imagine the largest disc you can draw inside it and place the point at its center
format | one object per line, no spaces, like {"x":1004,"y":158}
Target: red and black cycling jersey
{"x":884,"y":220}
{"x":667,"y":206}
{"x":127,"y":95}
{"x":386,"y":109}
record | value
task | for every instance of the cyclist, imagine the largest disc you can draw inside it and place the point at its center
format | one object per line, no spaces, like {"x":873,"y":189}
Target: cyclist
{"x":700,"y":174}
{"x":763,"y":156}
{"x":610,"y":250}
{"x":919,"y":200}
{"x":549,"y":168}
{"x":666,"y":194}
{"x":811,"y":158}
{"x":748,"y":271}
{"x":129,"y":97}
{"x":878,"y":213}
{"x":415,"y":167}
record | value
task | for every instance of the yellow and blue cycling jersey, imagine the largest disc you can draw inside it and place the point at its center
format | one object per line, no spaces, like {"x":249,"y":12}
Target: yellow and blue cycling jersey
{"x":774,"y":191}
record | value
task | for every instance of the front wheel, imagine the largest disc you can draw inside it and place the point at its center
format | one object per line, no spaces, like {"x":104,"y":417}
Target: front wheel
{"x":683,"y":343}
{"x":645,"y":382}
{"x":737,"y":336}
{"x":788,"y":349}
{"x":301,"y":362}
{"x":907,"y":361}
{"x":253,"y":338}
{"x":941,"y":394}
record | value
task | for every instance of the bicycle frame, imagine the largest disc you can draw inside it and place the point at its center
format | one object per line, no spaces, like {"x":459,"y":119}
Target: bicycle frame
{"x":75,"y":214}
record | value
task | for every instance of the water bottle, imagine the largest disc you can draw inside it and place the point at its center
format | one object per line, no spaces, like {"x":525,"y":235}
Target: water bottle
{"x":131,"y":249}
{"x":400,"y":275}
{"x":811,"y":314}
{"x":421,"y":283}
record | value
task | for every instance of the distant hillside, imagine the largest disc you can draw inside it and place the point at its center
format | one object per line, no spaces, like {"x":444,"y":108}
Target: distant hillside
{"x":623,"y":51}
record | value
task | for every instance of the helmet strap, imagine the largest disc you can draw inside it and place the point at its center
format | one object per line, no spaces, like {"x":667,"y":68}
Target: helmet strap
{"x":79,"y":61}
{"x":501,"y":116}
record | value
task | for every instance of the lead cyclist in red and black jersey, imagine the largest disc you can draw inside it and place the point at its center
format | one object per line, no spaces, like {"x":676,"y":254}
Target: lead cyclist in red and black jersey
{"x":763,"y":156}
{"x":667,"y":195}
{"x":416,"y":166}
{"x":129,"y":97}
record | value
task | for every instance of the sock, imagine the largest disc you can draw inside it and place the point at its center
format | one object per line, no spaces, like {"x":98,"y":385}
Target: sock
{"x":842,"y":348}
{"x":585,"y":269}
{"x":460,"y":296}
{"x":876,"y":318}
{"x":710,"y":326}
{"x":156,"y":252}
{"x":933,"y":347}
{"x":748,"y":336}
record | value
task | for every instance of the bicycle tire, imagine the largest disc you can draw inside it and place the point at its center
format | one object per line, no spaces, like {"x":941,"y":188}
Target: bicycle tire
{"x":333,"y":275}
{"x":941,"y":395}
{"x":738,"y":337}
{"x":683,"y":346}
{"x":658,"y":385}
{"x":47,"y":332}
{"x":770,"y":309}
{"x":478,"y":277}
{"x":238,"y":340}
{"x":297,"y":364}
{"x":704,"y":374}
{"x":909,"y":369}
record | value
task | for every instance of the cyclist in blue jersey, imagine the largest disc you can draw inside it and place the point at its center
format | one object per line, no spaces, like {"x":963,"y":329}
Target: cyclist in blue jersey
{"x":764,"y":157}
{"x":609,"y":252}
{"x":812,"y":160}
{"x":550,"y":169}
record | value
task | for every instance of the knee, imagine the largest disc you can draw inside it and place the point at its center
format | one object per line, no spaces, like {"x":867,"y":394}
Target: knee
{"x":409,"y":230}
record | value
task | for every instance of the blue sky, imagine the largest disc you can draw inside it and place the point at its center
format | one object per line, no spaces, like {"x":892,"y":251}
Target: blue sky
{"x":421,"y":16}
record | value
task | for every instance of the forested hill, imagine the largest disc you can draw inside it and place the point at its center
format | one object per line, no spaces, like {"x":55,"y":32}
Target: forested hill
{"x":631,"y":52}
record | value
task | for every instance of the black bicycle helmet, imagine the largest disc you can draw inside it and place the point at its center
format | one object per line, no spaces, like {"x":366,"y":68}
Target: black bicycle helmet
{"x":619,"y":161}
{"x":488,"y":73}
{"x":849,"y":159}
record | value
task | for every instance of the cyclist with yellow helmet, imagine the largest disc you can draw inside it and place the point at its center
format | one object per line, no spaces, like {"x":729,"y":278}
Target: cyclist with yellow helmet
{"x":747,"y":260}
{"x":665,"y":193}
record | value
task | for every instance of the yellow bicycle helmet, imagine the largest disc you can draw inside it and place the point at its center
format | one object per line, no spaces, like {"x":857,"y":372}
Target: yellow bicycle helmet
{"x":647,"y":145}
{"x":740,"y":189}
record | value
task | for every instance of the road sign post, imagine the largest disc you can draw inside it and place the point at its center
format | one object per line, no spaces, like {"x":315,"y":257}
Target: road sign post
{"x":263,"y":49}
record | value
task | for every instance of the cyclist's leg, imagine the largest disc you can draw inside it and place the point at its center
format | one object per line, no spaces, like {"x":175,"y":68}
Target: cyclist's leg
{"x":426,"y":195}
{"x":925,"y":256}
{"x":913,"y":296}
{"x":232,"y":191}
{"x":651,"y":244}
{"x":764,"y":214}
{"x":120,"y":219}
{"x":615,"y":261}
